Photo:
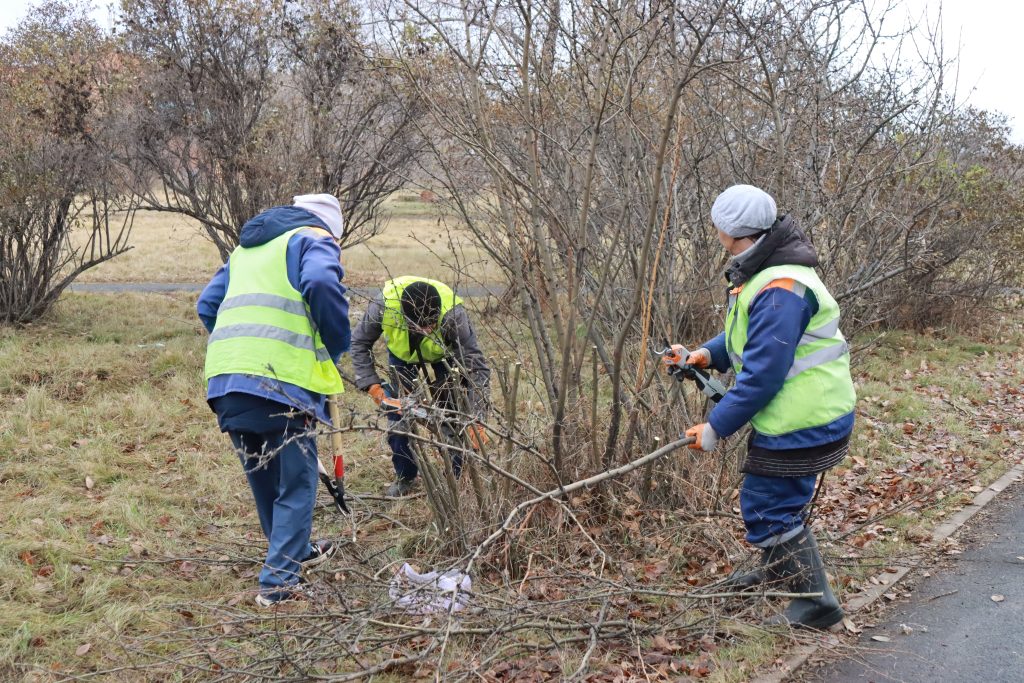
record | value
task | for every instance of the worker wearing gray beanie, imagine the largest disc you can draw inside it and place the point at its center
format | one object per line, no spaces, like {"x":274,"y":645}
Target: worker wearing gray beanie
{"x":743,"y":210}
{"x":793,"y":387}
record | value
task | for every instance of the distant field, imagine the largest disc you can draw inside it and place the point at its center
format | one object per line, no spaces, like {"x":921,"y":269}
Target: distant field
{"x":173,"y":248}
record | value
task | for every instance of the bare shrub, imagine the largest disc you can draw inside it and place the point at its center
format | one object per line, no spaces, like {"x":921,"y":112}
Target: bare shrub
{"x":62,"y":208}
{"x":246,"y":103}
{"x":596,"y":137}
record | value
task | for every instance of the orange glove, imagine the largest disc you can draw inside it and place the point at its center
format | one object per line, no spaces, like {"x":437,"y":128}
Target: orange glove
{"x":376,"y":392}
{"x":706,"y":437}
{"x":701,"y":358}
{"x":477,"y":436}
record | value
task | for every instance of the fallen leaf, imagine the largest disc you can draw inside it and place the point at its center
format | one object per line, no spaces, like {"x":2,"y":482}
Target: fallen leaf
{"x":881,"y":639}
{"x":89,"y":483}
{"x":998,"y":598}
{"x":976,"y":489}
{"x":83,"y":648}
{"x":850,"y":626}
{"x":906,"y":630}
{"x":661,"y":643}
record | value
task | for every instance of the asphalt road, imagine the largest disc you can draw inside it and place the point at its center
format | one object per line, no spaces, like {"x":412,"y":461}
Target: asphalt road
{"x":957,"y":631}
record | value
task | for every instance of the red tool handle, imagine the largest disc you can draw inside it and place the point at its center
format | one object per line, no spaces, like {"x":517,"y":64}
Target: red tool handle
{"x":336,"y":445}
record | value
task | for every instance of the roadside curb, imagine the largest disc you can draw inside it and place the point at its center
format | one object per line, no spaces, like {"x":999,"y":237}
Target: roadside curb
{"x":801,"y":654}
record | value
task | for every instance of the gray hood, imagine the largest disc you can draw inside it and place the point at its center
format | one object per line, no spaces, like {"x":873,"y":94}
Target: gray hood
{"x":783,"y":244}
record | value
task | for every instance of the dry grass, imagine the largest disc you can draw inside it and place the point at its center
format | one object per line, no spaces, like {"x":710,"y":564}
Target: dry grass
{"x":165,"y":248}
{"x":112,"y":463}
{"x":124,"y":508}
{"x":172,"y":248}
{"x":127,"y":518}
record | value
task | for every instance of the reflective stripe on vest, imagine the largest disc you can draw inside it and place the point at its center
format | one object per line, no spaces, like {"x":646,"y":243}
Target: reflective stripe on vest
{"x":266,"y":300}
{"x":396,"y":330}
{"x":826,"y":330}
{"x":818,"y":388}
{"x":816,"y":358}
{"x":263,"y":326}
{"x":298,"y":340}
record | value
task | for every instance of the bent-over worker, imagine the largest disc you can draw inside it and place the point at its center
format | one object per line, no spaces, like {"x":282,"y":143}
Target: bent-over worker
{"x":425,"y":326}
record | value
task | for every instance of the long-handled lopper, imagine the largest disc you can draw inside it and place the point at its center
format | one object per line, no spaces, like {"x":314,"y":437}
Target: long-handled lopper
{"x":337,"y":487}
{"x":674,"y":357}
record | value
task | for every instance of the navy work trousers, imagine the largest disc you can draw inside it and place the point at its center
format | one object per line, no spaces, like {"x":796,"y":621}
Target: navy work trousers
{"x":402,"y":456}
{"x":774,"y":508}
{"x":279,"y":455}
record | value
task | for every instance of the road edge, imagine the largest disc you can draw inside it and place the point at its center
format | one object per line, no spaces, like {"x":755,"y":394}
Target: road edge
{"x":801,"y":654}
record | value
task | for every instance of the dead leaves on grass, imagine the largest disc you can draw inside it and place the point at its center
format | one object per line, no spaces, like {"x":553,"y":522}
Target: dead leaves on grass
{"x":933,"y":463}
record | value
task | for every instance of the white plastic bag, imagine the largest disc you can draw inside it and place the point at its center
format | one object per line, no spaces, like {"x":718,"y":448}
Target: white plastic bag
{"x":431,"y":592}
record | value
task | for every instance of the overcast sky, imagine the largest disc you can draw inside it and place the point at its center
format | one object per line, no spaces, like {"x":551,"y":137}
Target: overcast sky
{"x":987,"y":34}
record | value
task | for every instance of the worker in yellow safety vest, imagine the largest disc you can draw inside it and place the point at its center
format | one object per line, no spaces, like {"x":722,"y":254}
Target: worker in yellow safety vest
{"x":427,"y":330}
{"x":278,"y":322}
{"x":793,"y":387}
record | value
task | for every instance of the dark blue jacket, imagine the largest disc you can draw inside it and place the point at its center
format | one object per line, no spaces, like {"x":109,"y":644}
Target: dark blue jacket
{"x":777,"y":320}
{"x":314,"y":269}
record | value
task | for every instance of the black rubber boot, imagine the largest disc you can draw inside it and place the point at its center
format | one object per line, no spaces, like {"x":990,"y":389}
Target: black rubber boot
{"x":801,"y":565}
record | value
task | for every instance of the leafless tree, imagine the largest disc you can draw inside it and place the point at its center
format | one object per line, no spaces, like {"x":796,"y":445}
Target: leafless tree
{"x":62,"y":203}
{"x":596,"y":135}
{"x":245,"y":103}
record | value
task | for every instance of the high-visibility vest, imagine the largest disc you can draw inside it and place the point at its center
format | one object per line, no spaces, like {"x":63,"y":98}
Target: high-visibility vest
{"x":396,"y":330}
{"x":818,"y":388}
{"x":263,"y":326}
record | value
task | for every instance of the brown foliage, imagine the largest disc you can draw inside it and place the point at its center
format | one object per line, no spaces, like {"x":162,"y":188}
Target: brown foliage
{"x":60,"y":109}
{"x":243,"y":104}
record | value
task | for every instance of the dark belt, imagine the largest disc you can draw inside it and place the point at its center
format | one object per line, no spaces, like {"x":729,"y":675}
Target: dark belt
{"x":794,"y":462}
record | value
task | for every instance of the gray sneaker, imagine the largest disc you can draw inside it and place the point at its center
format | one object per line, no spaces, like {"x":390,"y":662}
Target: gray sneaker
{"x":401,"y":487}
{"x":272,"y":599}
{"x":319,"y":551}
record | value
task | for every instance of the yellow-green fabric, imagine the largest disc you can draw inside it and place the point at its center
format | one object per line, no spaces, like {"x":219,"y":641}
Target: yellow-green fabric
{"x":263,"y":326}
{"x":396,"y":331}
{"x":818,"y":388}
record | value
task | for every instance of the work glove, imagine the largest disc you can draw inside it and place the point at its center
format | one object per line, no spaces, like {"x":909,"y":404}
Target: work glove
{"x":377,"y":393}
{"x":477,"y":436}
{"x":674,"y":360}
{"x":389,"y":404}
{"x":701,"y":358}
{"x":706,"y":437}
